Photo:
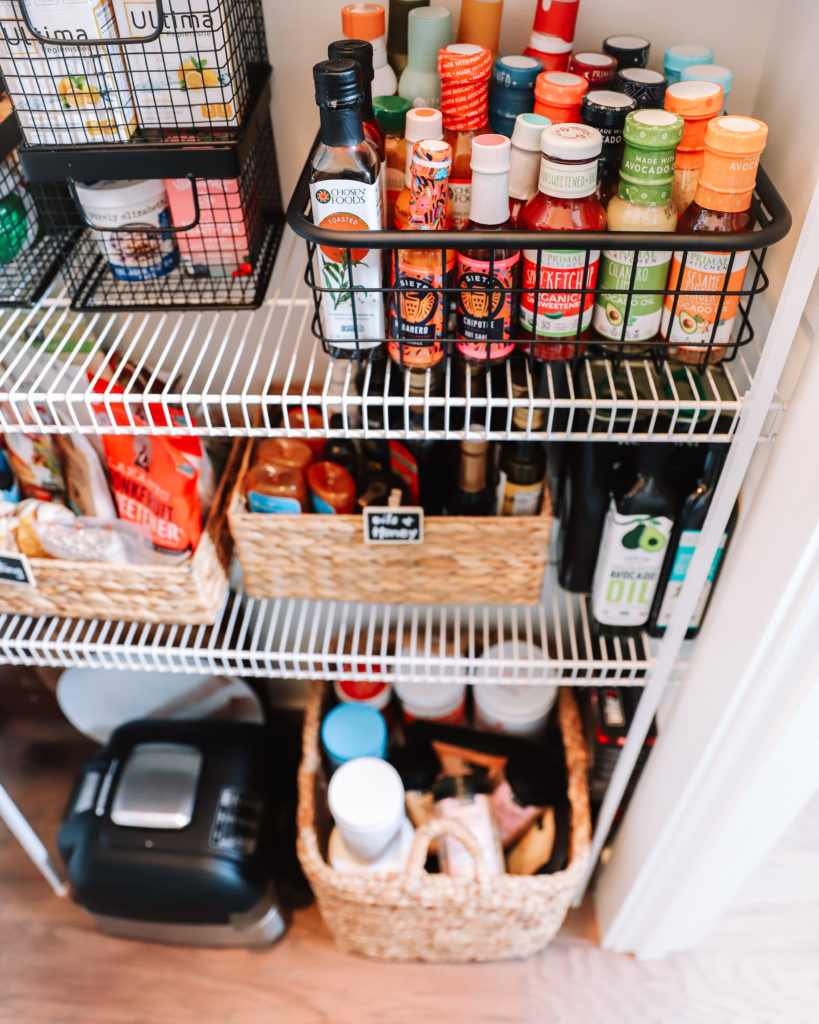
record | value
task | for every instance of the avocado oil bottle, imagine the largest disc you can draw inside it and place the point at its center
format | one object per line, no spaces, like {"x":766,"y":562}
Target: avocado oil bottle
{"x":633,"y":545}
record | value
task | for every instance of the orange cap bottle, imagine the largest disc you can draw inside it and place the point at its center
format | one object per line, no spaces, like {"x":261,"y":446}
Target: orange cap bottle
{"x":558,"y":96}
{"x":733,"y":146}
{"x":696,"y":103}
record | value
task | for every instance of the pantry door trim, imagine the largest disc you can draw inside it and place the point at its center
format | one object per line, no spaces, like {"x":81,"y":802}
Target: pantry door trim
{"x":738,"y":758}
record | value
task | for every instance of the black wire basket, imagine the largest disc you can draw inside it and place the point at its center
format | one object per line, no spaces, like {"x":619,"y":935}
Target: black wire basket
{"x":32,"y":248}
{"x":406,"y":303}
{"x":143,"y":69}
{"x":192,"y":222}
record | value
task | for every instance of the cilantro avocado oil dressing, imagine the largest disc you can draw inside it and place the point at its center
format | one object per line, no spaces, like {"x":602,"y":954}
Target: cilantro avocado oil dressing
{"x":633,"y":546}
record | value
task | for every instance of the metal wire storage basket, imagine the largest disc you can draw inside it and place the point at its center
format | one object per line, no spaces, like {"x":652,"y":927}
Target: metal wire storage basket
{"x":405,"y":301}
{"x":143,"y":67}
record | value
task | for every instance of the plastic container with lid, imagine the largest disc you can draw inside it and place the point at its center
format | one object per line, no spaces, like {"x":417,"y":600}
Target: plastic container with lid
{"x":366,"y":800}
{"x":433,"y":702}
{"x":331,"y":487}
{"x":552,"y":51}
{"x":599,"y":69}
{"x":710,"y":73}
{"x":697,"y":103}
{"x":524,"y":162}
{"x":680,"y":56}
{"x":275,"y":489}
{"x":513,"y":710}
{"x":556,"y":18}
{"x":287,"y":452}
{"x":428,"y":30}
{"x":628,"y":51}
{"x":606,"y":110}
{"x":647,"y":87}
{"x":353,"y":730}
{"x":558,"y":96}
{"x":369,"y":692}
{"x":393,"y":858}
{"x":512,"y":90}
{"x":368,"y":21}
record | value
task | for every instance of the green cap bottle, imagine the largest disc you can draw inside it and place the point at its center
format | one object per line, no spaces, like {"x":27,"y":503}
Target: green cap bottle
{"x":391,"y":112}
{"x":651,"y":138}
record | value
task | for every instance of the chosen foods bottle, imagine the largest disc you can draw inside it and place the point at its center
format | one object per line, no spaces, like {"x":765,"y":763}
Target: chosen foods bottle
{"x":565,"y":201}
{"x":697,"y":103}
{"x":684,"y":541}
{"x":633,"y":545}
{"x":486,"y":277}
{"x":722,"y":203}
{"x":643,"y":203}
{"x":464,"y":69}
{"x":418,"y":309}
{"x":345,"y":196}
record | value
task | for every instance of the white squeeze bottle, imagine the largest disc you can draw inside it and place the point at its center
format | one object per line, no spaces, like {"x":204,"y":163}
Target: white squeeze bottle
{"x":367,"y":21}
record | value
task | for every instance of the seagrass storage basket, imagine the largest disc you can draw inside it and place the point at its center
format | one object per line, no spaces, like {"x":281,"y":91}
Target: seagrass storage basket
{"x":413,"y":915}
{"x":189,"y":594}
{"x":462,"y":560}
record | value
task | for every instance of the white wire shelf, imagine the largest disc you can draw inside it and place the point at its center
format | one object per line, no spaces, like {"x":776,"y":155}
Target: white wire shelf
{"x":246,"y":373}
{"x":289,"y":639}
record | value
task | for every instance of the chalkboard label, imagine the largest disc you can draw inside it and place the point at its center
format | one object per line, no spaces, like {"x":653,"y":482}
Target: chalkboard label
{"x":15,"y":569}
{"x":393,"y":525}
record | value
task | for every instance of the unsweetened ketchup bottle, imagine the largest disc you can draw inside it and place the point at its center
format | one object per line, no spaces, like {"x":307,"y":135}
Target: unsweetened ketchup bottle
{"x":565,"y":201}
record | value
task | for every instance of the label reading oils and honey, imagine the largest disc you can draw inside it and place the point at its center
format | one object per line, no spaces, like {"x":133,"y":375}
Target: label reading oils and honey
{"x":485,"y":305}
{"x":349,"y":312}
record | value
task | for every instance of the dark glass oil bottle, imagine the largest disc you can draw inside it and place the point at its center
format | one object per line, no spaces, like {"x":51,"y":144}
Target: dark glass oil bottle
{"x":473,"y":495}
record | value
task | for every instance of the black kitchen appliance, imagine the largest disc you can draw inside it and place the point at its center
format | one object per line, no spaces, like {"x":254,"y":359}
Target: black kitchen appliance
{"x":168,"y":834}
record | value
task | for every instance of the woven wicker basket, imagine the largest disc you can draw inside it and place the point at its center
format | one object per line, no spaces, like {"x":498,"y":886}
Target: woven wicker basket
{"x":462,"y":560}
{"x":190,"y":594}
{"x":417,"y":916}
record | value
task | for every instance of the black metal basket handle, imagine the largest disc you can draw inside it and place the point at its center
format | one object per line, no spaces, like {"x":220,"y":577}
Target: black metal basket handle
{"x":116,"y":41}
{"x":141,"y":229}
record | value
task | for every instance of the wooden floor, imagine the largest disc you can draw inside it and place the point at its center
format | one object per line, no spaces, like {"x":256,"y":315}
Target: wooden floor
{"x":760,"y":965}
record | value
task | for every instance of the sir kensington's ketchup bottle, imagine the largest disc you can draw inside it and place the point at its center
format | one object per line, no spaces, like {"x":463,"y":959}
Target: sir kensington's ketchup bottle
{"x":565,"y":201}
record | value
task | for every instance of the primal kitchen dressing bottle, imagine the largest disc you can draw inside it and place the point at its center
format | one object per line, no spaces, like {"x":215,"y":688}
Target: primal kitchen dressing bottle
{"x":345,"y":196}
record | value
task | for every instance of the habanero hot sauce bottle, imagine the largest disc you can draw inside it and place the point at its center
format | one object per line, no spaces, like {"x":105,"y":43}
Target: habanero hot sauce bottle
{"x":345,"y":195}
{"x":464,"y":69}
{"x":565,"y":201}
{"x":722,"y":203}
{"x":418,"y":310}
{"x":486,"y":277}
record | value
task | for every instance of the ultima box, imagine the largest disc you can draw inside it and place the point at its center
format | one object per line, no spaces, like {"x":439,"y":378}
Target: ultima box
{"x":186,"y":76}
{"x":66,"y":94}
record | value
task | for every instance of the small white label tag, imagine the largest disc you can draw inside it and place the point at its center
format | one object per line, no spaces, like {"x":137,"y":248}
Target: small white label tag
{"x":393,"y":525}
{"x":15,"y":569}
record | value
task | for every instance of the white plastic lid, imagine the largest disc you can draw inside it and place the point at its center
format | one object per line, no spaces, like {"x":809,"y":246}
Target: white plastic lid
{"x":711,"y":73}
{"x":654,"y":118}
{"x":571,"y":141}
{"x":519,"y":61}
{"x":627,"y":42}
{"x":491,"y":154}
{"x":561,"y":78}
{"x":423,"y":123}
{"x":735,"y":123}
{"x":464,"y":49}
{"x":548,"y":44}
{"x":594,"y":60}
{"x":688,"y":50}
{"x":609,"y":98}
{"x":693,"y":90}
{"x":366,"y":794}
{"x":431,"y":696}
{"x":394,"y":857}
{"x":645,"y":75}
{"x":527,"y":131}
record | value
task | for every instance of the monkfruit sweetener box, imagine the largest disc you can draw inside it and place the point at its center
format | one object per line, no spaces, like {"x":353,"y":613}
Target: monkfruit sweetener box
{"x":66,"y":94}
{"x":185,"y":77}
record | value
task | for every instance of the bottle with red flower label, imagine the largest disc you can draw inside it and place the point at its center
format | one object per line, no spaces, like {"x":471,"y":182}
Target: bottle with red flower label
{"x":486,"y":277}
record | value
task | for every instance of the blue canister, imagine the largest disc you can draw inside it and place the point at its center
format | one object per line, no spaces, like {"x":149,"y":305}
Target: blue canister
{"x":513,"y":91}
{"x":678,"y":58}
{"x":710,"y":73}
{"x":353,"y":730}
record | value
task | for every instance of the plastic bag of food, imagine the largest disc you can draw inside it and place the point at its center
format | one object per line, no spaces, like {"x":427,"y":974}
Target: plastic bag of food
{"x":86,"y":539}
{"x":85,"y":479}
{"x":36,"y":466}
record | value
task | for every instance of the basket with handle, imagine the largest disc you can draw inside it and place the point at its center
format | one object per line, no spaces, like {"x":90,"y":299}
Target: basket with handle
{"x":413,"y":915}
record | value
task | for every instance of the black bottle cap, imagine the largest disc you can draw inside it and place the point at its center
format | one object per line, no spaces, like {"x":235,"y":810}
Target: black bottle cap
{"x":338,"y":83}
{"x":628,"y":51}
{"x":358,"y":50}
{"x":647,"y":87}
{"x":604,"y":108}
